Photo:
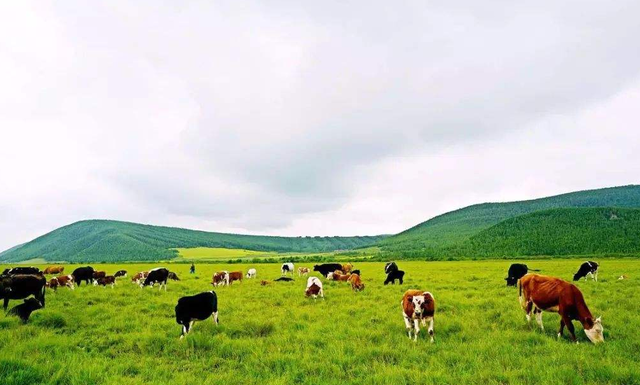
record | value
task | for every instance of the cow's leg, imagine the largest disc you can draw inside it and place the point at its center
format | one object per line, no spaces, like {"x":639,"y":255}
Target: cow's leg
{"x":322,"y":293}
{"x":570,"y":327}
{"x":6,"y":303}
{"x":538,"y":314}
{"x":528,"y":306}
{"x":595,"y":278}
{"x":431,"y":333}
{"x":561,"y":327}
{"x":416,"y":325}
{"x":407,"y":323}
{"x":215,"y":317}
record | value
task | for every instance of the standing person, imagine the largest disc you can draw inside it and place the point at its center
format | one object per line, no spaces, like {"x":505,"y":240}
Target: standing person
{"x":192,"y":270}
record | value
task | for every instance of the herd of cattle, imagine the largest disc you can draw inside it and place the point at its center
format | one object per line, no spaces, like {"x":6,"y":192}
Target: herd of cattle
{"x":537,"y":293}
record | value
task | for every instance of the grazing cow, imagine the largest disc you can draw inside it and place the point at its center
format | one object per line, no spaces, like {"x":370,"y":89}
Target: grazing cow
{"x":104,"y":281}
{"x":63,"y":280}
{"x":235,"y":276}
{"x":287,"y":267}
{"x":139,"y":277}
{"x":346,"y":268}
{"x":392,"y":276}
{"x":197,"y":307}
{"x":516,"y":271}
{"x":120,"y":273}
{"x":252,"y":273}
{"x":220,"y":278}
{"x":587,"y":268}
{"x":173,"y":276}
{"x":99,"y":274}
{"x":338,"y":276}
{"x":418,"y":305}
{"x":327,"y":268}
{"x":21,"y":270}
{"x":314,"y":288}
{"x":356,"y":282}
{"x":24,"y":310}
{"x":284,"y":279}
{"x":540,"y":293}
{"x":303,"y":271}
{"x":158,"y":275}
{"x":390,"y":267}
{"x":54,"y":270}
{"x":21,"y":286}
{"x":83,"y":274}
{"x":355,"y":272}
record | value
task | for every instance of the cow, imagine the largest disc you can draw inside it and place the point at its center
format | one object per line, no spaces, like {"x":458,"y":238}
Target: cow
{"x":99,"y":274}
{"x":356,"y":282}
{"x":139,"y":277}
{"x":22,"y":270}
{"x":252,"y":273}
{"x":287,"y":267}
{"x":418,"y":305}
{"x":538,"y":293}
{"x":390,"y":267}
{"x":24,"y":310}
{"x":120,"y":273}
{"x":158,"y":275}
{"x":54,"y":270}
{"x":21,"y":286}
{"x":63,"y":280}
{"x":197,"y":307}
{"x":587,"y":268}
{"x":83,"y":274}
{"x":356,"y":272}
{"x":314,"y":288}
{"x":235,"y":276}
{"x":338,"y":276}
{"x":104,"y":281}
{"x":265,"y":283}
{"x":346,"y":268}
{"x":516,"y":271}
{"x":220,"y":278}
{"x":173,"y":276}
{"x":303,"y":271}
{"x":327,"y":268}
{"x":392,"y":276}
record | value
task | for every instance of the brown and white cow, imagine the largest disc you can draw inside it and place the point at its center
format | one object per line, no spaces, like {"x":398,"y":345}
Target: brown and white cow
{"x":98,"y":275}
{"x":314,"y":288}
{"x":54,"y":270}
{"x":104,"y":281}
{"x":63,"y":280}
{"x":139,"y":277}
{"x":235,"y":276}
{"x":220,"y":278}
{"x":338,"y":276}
{"x":540,"y":293}
{"x":418,"y":305}
{"x":303,"y":271}
{"x":356,"y":282}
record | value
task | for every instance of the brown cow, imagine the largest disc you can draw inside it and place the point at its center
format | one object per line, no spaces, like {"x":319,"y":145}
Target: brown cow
{"x":235,"y":276}
{"x":63,"y":280}
{"x":418,"y":305}
{"x":314,"y":288}
{"x":303,"y":271}
{"x":356,"y":282}
{"x":99,"y":274}
{"x":104,"y":281}
{"x":540,"y":293}
{"x":54,"y":270}
{"x":338,"y":276}
{"x":347,"y":267}
{"x":139,"y":277}
{"x":220,"y":278}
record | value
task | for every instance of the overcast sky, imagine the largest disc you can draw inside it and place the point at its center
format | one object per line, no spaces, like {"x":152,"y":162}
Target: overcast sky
{"x":308,"y":117}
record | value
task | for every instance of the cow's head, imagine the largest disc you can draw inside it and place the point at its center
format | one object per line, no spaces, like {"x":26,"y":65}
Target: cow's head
{"x":419,"y":303}
{"x":511,"y":281}
{"x":595,"y":332}
{"x":577,"y":276}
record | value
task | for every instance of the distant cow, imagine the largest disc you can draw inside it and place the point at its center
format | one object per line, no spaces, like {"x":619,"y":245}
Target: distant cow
{"x":252,"y":273}
{"x":356,"y":282}
{"x":390,"y":267}
{"x":24,"y":310}
{"x":99,"y":274}
{"x":393,"y":276}
{"x":346,"y":268}
{"x":587,"y":268}
{"x":21,"y":286}
{"x":265,"y":283}
{"x":220,"y":278}
{"x":139,"y":277}
{"x":235,"y":276}
{"x":538,"y":293}
{"x":314,"y":288}
{"x":327,"y":268}
{"x":287,"y":267}
{"x":418,"y":305}
{"x":104,"y":281}
{"x":303,"y":271}
{"x":63,"y":280}
{"x":159,"y":275}
{"x":83,"y":274}
{"x":120,"y":273}
{"x":338,"y":276}
{"x":21,"y":270}
{"x":173,"y":276}
{"x":54,"y":270}
{"x":198,"y":307}
{"x":516,"y":271}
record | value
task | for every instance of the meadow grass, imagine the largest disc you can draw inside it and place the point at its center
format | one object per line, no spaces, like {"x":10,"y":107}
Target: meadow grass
{"x":274,"y":335}
{"x":215,"y":253}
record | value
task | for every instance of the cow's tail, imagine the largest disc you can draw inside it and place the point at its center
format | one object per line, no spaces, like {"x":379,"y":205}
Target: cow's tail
{"x":534,"y":269}
{"x":42,"y":293}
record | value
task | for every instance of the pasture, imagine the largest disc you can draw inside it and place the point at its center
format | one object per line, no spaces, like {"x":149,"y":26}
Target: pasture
{"x":274,"y":335}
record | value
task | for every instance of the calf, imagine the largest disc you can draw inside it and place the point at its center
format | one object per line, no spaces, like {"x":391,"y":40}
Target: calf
{"x":327,"y":268}
{"x":120,"y":273}
{"x":83,"y":274}
{"x":356,"y":282}
{"x":303,"y":271}
{"x":252,"y":273}
{"x":99,"y":274}
{"x":139,"y":277}
{"x":21,"y":286}
{"x":220,"y":278}
{"x":158,"y":275}
{"x":516,"y":271}
{"x":198,"y":307}
{"x":235,"y":276}
{"x":287,"y":267}
{"x":393,"y":276}
{"x":418,"y":305}
{"x":21,"y":270}
{"x":104,"y":281}
{"x":63,"y":280}
{"x":54,"y":270}
{"x":587,"y":268}
{"x":24,"y":310}
{"x":314,"y":288}
{"x":540,"y":293}
{"x":173,"y":276}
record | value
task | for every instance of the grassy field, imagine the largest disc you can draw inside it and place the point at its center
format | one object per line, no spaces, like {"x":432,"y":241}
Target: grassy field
{"x":216,"y":253}
{"x":273,"y":335}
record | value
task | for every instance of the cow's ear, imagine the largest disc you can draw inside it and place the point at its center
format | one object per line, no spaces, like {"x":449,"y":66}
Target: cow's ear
{"x":410,"y":298}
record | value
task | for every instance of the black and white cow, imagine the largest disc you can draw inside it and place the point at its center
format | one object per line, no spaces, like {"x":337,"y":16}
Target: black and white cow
{"x":120,"y":273}
{"x":21,"y":270}
{"x":327,"y":268}
{"x":24,"y":310}
{"x":158,"y":275}
{"x":587,"y":268}
{"x":21,"y":286}
{"x":517,"y":271}
{"x":83,"y":274}
{"x":197,"y":307}
{"x":390,"y":267}
{"x":287,"y":267}
{"x":393,"y":276}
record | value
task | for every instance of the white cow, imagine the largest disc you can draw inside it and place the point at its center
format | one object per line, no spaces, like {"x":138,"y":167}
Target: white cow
{"x":287,"y":267}
{"x":251,"y":273}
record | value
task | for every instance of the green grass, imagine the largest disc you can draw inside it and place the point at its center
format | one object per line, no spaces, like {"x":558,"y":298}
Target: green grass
{"x":273,"y":335}
{"x":216,"y":253}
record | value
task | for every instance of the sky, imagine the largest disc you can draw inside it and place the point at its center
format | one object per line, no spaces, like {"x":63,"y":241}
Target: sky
{"x":307,"y":117}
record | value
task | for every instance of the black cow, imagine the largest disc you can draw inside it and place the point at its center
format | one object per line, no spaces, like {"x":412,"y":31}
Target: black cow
{"x":197,"y":307}
{"x":356,"y":272}
{"x":158,"y":275}
{"x":391,"y":277}
{"x":390,"y":267}
{"x":24,"y":310}
{"x":120,"y":273}
{"x":173,"y":276}
{"x":327,"y":268}
{"x":587,"y":268}
{"x":83,"y":274}
{"x":22,"y":270}
{"x":517,"y":271}
{"x":21,"y":286}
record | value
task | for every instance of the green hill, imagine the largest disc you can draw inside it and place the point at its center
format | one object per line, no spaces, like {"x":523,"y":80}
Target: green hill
{"x":443,"y":235}
{"x":103,"y":240}
{"x":572,"y":231}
